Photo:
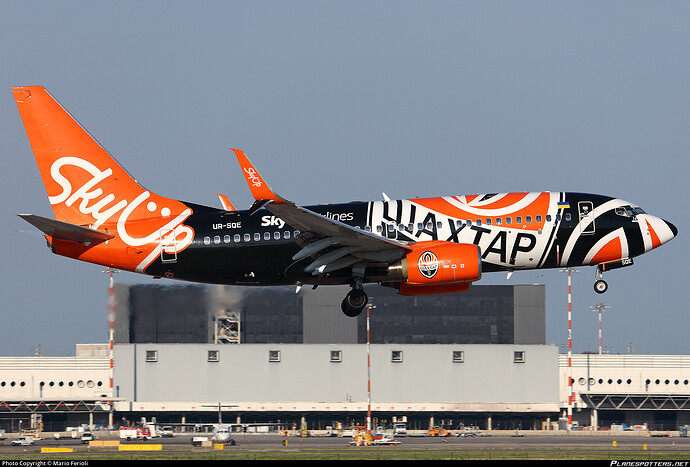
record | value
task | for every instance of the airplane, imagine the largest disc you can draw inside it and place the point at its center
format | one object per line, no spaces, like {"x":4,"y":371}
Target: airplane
{"x":418,"y":246}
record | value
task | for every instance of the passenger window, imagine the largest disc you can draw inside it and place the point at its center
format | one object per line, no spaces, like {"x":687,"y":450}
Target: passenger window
{"x":499,"y":221}
{"x":379,"y":228}
{"x":488,"y":222}
{"x":528,"y":219}
{"x":509,"y":220}
{"x":558,"y":217}
{"x":226,"y":239}
{"x":207,"y":240}
{"x":367,"y":228}
{"x":237,"y":238}
{"x":439,"y":225}
{"x":257,"y":237}
{"x":518,"y":219}
{"x":267,"y":235}
{"x":479,"y":222}
{"x":247,"y":237}
{"x":548,"y":218}
{"x":567,"y":216}
{"x":538,"y":218}
{"x":469,"y":223}
{"x":459,"y":223}
{"x":296,"y":233}
{"x":216,"y":239}
{"x":286,"y":234}
{"x":276,"y":235}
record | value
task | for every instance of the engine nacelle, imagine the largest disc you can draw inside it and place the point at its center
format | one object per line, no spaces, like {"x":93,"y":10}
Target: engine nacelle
{"x":439,"y":263}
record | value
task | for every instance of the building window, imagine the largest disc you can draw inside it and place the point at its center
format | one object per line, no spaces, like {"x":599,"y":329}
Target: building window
{"x":519,"y":356}
{"x":274,"y":355}
{"x":151,"y":355}
{"x":213,"y":356}
{"x":458,"y":356}
{"x":336,"y":356}
{"x":396,"y":356}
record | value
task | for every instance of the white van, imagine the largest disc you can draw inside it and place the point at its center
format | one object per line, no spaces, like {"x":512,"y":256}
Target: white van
{"x":23,"y":441}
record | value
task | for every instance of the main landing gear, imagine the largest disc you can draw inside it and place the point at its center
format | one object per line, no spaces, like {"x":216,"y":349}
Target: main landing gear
{"x":600,"y":285}
{"x":355,"y":301}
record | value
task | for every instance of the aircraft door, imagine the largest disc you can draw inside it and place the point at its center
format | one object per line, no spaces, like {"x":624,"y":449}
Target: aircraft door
{"x":585,"y":209}
{"x":168,"y":246}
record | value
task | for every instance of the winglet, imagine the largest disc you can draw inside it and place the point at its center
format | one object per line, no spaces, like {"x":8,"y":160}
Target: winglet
{"x":225,"y":201}
{"x":259,"y":188}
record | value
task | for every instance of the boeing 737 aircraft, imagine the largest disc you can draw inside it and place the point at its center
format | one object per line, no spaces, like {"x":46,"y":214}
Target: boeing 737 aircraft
{"x":418,"y":246}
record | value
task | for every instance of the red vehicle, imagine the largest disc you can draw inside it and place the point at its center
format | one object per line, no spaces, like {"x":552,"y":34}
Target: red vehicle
{"x":135,"y":432}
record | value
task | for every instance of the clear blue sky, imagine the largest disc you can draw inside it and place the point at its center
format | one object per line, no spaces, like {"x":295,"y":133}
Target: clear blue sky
{"x":339,"y":101}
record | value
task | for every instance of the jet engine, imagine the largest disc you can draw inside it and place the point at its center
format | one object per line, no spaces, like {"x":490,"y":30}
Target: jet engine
{"x":438,"y":267}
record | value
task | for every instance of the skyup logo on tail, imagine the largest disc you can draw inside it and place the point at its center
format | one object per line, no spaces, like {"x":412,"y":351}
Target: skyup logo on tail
{"x":428,"y":264}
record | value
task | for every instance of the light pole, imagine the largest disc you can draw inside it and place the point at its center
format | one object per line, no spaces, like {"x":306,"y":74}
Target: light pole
{"x":599,"y":308}
{"x":571,"y":394}
{"x":369,"y":307}
{"x":111,"y":332}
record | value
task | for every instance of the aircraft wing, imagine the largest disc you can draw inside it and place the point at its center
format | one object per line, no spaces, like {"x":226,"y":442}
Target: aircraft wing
{"x":333,"y":244}
{"x":66,"y":231}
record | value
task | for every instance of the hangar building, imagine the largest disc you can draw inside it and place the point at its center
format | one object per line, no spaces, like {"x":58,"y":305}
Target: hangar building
{"x":498,"y":376}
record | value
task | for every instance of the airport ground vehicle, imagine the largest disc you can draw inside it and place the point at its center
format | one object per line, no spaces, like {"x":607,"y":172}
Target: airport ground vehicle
{"x":438,"y":431}
{"x":385,"y":440}
{"x":23,"y":441}
{"x":199,"y":440}
{"x":129,"y":433}
{"x":86,"y":437}
{"x":400,"y":429}
{"x":166,"y":432}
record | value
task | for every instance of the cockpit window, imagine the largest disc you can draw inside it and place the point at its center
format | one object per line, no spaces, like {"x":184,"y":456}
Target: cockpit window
{"x":628,"y":211}
{"x":639,"y":210}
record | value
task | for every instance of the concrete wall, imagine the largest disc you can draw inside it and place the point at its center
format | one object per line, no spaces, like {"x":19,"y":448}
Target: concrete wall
{"x":305,"y":372}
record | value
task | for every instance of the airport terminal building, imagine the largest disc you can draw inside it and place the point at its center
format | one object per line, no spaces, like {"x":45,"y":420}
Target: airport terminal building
{"x":263,"y":356}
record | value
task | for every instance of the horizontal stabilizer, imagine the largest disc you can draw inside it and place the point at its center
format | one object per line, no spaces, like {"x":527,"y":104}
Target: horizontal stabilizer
{"x":65,"y":231}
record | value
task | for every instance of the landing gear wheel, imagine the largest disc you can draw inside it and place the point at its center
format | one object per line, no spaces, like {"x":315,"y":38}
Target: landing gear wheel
{"x":354,"y":302}
{"x":600,"y":286}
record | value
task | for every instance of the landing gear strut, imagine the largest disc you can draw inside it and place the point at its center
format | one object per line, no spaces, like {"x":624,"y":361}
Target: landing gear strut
{"x":600,"y":285}
{"x":355,"y":301}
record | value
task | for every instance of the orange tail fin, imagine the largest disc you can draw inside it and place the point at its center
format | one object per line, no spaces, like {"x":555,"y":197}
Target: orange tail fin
{"x":85,"y":185}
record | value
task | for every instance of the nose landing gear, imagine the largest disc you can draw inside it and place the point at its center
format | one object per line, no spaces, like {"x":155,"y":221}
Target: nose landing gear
{"x":600,"y":285}
{"x":355,"y":301}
